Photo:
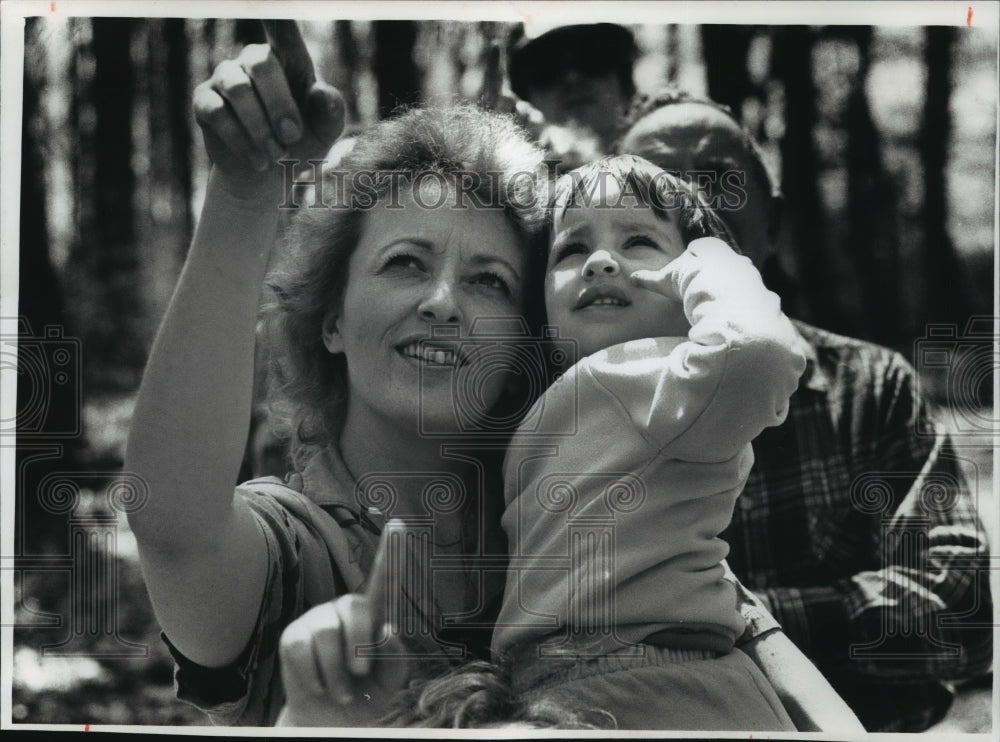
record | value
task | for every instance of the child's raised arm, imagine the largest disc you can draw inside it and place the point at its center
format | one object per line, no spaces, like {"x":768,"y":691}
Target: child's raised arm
{"x":741,"y":362}
{"x":203,"y":555}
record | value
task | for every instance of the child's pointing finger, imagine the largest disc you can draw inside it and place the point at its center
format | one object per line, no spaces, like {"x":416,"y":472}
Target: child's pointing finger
{"x":657,"y":281}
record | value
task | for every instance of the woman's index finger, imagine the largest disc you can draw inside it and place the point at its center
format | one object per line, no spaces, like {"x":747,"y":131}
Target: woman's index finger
{"x":376,"y":590}
{"x":285,"y":40}
{"x":398,"y":588}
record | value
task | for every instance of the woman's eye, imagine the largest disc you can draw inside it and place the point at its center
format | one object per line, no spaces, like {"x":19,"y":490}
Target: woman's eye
{"x":492,"y":281}
{"x":403,"y":260}
{"x":567,"y":251}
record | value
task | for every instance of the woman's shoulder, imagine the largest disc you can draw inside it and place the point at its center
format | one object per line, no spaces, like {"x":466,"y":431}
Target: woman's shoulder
{"x":319,"y":533}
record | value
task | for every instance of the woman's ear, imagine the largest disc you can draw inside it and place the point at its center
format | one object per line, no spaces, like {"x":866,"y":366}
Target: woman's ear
{"x":332,"y":338}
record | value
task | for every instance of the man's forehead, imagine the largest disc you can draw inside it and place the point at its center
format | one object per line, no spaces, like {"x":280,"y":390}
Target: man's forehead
{"x":694,"y":128}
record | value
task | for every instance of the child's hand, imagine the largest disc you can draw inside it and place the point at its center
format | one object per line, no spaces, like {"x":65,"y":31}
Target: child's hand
{"x":266,"y":105}
{"x":665,"y":280}
{"x":329,"y":677}
{"x":661,"y":281}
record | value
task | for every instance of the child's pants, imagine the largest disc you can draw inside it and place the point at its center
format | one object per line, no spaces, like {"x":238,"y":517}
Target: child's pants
{"x":661,"y":690}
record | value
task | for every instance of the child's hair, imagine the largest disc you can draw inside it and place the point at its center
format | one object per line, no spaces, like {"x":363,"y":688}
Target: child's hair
{"x":652,"y":186}
{"x":479,"y":694}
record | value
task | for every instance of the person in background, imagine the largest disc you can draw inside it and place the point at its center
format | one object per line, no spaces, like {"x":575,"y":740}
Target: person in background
{"x":841,"y":491}
{"x":575,"y":85}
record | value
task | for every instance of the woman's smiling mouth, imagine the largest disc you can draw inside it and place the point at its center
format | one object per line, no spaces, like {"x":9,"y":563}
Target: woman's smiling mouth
{"x":434,"y":355}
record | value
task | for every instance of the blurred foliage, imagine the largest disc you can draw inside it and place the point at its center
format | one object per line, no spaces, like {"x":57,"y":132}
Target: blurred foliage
{"x":92,"y":689}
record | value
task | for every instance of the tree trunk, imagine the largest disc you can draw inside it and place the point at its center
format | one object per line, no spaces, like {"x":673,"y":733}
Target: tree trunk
{"x":803,"y":214}
{"x":208,"y":40}
{"x":343,"y":74}
{"x":48,"y":393}
{"x":947,"y":288}
{"x":672,"y":50}
{"x":395,"y":68}
{"x":164,"y":141}
{"x":872,"y":206}
{"x":178,"y":109}
{"x":725,"y":51}
{"x":249,"y":31}
{"x":115,"y":346}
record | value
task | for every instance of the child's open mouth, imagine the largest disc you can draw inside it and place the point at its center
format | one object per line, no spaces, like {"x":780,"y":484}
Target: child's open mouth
{"x":602,"y":297}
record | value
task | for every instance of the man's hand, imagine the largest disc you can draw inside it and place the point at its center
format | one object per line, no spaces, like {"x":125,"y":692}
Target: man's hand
{"x":266,"y":105}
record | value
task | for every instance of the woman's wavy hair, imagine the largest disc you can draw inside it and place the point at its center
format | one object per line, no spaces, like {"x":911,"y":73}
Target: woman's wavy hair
{"x":668,"y":195}
{"x":491,"y":160}
{"x":479,"y":694}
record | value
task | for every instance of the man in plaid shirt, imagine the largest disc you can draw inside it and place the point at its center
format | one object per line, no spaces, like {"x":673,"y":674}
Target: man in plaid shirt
{"x":856,"y":528}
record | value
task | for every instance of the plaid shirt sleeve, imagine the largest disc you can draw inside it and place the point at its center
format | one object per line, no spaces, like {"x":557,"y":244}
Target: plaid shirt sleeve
{"x":859,"y":531}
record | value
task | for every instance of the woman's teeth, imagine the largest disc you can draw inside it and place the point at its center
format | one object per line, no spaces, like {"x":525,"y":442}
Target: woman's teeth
{"x":607,"y":301}
{"x":430,"y":355}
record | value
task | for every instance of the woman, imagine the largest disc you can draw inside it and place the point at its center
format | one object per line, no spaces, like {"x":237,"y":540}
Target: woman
{"x":404,"y":248}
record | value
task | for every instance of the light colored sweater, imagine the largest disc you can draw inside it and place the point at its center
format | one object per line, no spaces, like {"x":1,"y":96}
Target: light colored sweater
{"x":630,"y":468}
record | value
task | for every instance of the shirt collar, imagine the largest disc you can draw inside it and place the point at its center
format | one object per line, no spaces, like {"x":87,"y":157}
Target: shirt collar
{"x":326,"y":480}
{"x":815,"y":377}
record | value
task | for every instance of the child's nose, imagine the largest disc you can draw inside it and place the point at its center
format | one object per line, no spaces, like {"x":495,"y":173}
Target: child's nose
{"x":600,"y":262}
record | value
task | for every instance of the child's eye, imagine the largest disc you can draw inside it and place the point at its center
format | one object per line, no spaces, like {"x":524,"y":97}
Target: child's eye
{"x":640,"y":240}
{"x":568,"y":250}
{"x":492,"y":281}
{"x":403,"y":260}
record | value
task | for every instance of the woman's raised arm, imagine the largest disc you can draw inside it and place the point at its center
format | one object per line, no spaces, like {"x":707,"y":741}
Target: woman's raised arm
{"x":202,"y":553}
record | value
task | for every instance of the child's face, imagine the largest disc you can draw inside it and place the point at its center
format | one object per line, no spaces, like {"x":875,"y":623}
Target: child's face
{"x":588,"y":292}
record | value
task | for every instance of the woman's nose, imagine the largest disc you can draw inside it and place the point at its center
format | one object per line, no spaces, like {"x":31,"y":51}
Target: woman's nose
{"x":439,"y":304}
{"x":600,"y":262}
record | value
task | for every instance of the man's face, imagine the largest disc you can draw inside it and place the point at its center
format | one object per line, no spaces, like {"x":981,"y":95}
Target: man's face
{"x":583,"y":97}
{"x":705,"y":145}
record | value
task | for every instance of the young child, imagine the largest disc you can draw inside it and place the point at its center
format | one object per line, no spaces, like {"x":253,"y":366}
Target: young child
{"x":619,"y":488}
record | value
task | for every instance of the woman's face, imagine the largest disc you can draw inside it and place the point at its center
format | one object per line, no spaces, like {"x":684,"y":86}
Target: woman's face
{"x":414,"y":268}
